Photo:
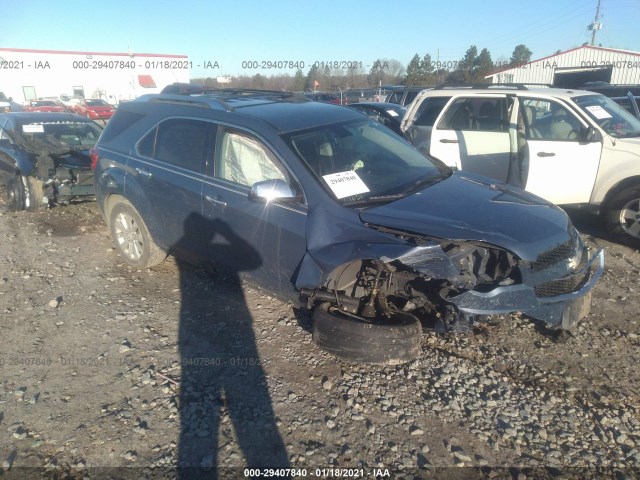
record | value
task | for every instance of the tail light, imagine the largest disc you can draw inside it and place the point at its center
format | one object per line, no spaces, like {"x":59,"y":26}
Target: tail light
{"x":93,"y":154}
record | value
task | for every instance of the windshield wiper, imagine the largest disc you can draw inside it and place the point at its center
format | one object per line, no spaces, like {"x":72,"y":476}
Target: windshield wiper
{"x":425,"y":182}
{"x":418,"y":185}
{"x":374,"y":199}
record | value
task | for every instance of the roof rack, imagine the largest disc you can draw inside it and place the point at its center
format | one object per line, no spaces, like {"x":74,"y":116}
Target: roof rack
{"x":199,"y":96}
{"x":515,"y":86}
{"x":194,"y":89}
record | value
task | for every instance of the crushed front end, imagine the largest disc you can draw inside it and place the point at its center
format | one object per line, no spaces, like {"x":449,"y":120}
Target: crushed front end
{"x":450,"y":285}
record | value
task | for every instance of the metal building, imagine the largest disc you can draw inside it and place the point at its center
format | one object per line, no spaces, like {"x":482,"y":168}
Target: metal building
{"x":31,"y":74}
{"x":573,"y":68}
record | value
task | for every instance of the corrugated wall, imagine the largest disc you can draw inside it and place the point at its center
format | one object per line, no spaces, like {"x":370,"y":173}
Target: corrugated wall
{"x":626,"y":66}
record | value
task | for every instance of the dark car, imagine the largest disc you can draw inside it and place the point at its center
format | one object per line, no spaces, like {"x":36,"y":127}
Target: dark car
{"x":319,"y":203}
{"x":326,"y":98}
{"x":44,"y":157}
{"x":403,"y":95}
{"x":388,"y":114}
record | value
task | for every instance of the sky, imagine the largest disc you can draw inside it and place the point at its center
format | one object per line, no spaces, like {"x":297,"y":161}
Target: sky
{"x":234,"y":36}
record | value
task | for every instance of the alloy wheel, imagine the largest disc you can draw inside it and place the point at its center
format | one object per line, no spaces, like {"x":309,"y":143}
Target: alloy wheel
{"x":128,"y":236}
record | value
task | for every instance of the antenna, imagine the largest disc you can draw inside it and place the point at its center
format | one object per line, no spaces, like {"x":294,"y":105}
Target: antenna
{"x":595,"y":25}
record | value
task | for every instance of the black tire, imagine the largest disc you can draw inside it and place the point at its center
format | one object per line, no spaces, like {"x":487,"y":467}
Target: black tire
{"x":25,"y":193}
{"x":623,"y":215}
{"x":348,"y":337}
{"x":15,"y":193}
{"x":131,"y":237}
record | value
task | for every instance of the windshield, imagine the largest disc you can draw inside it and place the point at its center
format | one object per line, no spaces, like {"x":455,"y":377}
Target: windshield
{"x":609,"y":116}
{"x":362,"y":161}
{"x":75,"y":135}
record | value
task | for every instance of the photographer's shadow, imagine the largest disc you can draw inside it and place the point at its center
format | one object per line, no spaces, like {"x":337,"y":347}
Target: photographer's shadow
{"x":223,"y":386}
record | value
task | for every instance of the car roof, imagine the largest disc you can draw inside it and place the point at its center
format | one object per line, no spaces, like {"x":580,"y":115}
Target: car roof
{"x":517,"y":89}
{"x":284,"y":111}
{"x":30,"y":117}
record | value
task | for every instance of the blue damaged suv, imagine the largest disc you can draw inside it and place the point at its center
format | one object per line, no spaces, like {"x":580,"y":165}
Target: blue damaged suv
{"x":317,"y":203}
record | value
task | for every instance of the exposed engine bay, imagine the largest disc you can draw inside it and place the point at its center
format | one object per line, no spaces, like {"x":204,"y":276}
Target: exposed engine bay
{"x":435,"y":281}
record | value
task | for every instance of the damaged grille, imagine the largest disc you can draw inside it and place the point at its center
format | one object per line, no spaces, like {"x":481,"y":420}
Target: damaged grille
{"x":561,"y":252}
{"x":564,"y":285}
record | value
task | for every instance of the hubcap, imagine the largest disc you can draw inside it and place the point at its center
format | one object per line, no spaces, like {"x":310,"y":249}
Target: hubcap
{"x":128,"y":236}
{"x":630,"y":218}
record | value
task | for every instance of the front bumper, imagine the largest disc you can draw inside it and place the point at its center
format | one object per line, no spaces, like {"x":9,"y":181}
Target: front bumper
{"x":561,"y":310}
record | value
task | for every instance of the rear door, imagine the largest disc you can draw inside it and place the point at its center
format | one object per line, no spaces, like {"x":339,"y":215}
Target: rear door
{"x":472,"y":134}
{"x":562,"y":165}
{"x":167,"y":175}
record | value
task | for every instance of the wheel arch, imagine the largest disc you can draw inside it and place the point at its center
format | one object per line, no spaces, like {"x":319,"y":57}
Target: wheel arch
{"x":615,"y":189}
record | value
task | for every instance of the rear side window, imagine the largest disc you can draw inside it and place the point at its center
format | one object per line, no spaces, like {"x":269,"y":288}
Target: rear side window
{"x":181,"y":142}
{"x":429,"y":110}
{"x":120,"y":122}
{"x":482,"y":114}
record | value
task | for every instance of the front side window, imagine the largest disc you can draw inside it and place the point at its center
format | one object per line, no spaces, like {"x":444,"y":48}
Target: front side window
{"x":484,"y":114}
{"x":245,"y":160}
{"x":549,"y":120}
{"x":180,"y":142}
{"x":609,"y":116}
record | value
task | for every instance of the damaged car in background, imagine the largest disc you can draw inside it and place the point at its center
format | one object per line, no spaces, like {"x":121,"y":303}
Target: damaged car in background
{"x":317,"y":203}
{"x":44,"y":158}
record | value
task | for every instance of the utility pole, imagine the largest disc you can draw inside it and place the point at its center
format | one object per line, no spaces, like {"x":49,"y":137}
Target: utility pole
{"x":596,"y":25}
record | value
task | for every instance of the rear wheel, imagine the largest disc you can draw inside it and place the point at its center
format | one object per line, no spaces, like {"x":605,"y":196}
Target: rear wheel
{"x":348,"y":336}
{"x":132,"y":238}
{"x":623,"y":215}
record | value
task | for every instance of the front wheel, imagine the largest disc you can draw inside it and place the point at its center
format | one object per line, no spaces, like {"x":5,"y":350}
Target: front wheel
{"x":132,"y":238}
{"x":623,"y":215}
{"x":25,"y":193}
{"x":395,"y":341}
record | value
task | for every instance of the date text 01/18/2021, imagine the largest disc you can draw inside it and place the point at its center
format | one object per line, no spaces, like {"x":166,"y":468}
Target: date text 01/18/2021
{"x":316,"y":473}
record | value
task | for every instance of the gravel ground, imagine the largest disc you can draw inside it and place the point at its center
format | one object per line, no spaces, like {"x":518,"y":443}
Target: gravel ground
{"x":116,"y":372}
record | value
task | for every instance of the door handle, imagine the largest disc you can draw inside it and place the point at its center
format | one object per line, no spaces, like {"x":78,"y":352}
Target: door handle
{"x":215,"y":200}
{"x":446,"y":140}
{"x":144,"y":172}
{"x":546,"y":154}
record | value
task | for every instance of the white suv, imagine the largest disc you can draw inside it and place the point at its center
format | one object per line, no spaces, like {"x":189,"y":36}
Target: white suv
{"x":570,"y":147}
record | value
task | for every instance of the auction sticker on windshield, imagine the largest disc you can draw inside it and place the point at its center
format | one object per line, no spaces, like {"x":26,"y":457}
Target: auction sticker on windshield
{"x":345,"y":184}
{"x":37,"y":128}
{"x":599,"y":112}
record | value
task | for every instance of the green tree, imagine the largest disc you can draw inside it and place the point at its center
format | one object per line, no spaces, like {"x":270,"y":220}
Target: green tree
{"x":483,"y":66}
{"x":312,"y":76}
{"x":299,"y":81}
{"x":520,"y":56}
{"x":469,"y":60}
{"x":414,"y":71}
{"x":258,"y":81}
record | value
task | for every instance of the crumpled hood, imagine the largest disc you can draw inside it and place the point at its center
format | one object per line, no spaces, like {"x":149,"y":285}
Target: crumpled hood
{"x":470,"y":207}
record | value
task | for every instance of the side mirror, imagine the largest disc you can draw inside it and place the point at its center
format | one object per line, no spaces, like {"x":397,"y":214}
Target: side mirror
{"x":271,"y":190}
{"x":590,"y":134}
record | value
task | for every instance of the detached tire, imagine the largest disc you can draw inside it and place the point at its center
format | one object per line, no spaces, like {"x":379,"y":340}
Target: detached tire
{"x":623,"y":216}
{"x":345,"y":336}
{"x":25,"y":193}
{"x":132,"y":238}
